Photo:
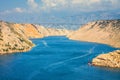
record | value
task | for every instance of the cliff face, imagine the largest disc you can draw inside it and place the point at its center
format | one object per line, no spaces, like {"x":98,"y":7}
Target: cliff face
{"x":14,"y":37}
{"x":37,"y":31}
{"x":107,"y":32}
{"x":12,"y":41}
{"x":51,"y":31}
{"x":111,"y":59}
{"x":28,"y":30}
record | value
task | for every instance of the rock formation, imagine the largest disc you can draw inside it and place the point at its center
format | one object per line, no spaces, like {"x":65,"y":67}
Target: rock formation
{"x":38,"y":31}
{"x":15,"y":37}
{"x":28,"y":30}
{"x":106,"y":32}
{"x":111,"y":59}
{"x":12,"y":41}
{"x":52,"y":31}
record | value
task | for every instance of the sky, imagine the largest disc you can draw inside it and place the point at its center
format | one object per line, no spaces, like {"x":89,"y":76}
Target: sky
{"x":43,"y":11}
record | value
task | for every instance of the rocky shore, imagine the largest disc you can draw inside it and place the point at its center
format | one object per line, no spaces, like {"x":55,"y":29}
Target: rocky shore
{"x":14,"y":37}
{"x":106,"y":32}
{"x":111,"y":59}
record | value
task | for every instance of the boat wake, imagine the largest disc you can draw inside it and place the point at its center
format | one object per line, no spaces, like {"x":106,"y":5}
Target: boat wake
{"x":74,"y":58}
{"x":45,"y":43}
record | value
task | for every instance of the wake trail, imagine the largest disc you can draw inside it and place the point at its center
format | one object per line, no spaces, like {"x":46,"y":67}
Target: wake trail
{"x":32,"y":75}
{"x":78,"y":57}
{"x":45,"y":43}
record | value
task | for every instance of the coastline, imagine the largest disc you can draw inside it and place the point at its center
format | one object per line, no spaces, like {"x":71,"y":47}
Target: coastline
{"x":16,"y":51}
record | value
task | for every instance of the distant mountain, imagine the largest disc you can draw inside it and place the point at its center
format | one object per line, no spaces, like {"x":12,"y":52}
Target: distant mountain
{"x":67,"y":18}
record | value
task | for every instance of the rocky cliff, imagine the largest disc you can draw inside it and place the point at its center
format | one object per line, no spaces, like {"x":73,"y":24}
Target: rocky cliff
{"x":15,"y":37}
{"x":111,"y":59}
{"x":106,"y":31}
{"x":12,"y":41}
{"x":52,"y":31}
{"x":38,"y":31}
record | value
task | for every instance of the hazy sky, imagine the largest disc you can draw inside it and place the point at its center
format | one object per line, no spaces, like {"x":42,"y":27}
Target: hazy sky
{"x":30,"y":9}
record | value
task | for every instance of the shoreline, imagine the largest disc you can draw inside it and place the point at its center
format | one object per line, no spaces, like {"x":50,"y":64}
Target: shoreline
{"x":16,"y":51}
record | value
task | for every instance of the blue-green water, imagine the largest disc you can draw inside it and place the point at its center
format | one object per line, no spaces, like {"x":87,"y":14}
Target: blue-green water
{"x":57,"y":58}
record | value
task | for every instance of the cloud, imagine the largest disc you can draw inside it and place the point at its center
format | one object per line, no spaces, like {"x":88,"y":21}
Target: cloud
{"x":81,"y":5}
{"x":73,"y":6}
{"x":14,"y":10}
{"x":32,"y":4}
{"x":19,"y":10}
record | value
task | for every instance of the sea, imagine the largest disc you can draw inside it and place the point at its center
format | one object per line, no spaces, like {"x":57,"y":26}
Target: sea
{"x":57,"y":58}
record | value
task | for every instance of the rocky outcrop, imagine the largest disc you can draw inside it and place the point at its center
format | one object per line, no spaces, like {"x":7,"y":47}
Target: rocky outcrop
{"x":106,"y":32}
{"x":12,"y":41}
{"x":111,"y":59}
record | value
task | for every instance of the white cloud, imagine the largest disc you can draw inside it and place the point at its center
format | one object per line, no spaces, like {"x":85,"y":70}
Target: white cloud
{"x":54,"y":3}
{"x":66,"y":5}
{"x":83,"y":5}
{"x":15,"y":10}
{"x":32,"y":4}
{"x":19,"y":10}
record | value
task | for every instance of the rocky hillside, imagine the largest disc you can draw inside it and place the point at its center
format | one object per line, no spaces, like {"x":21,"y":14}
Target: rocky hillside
{"x":12,"y":41}
{"x":38,"y":31}
{"x":111,"y":59}
{"x":52,"y":32}
{"x":14,"y":37}
{"x":106,"y":31}
{"x":28,"y":30}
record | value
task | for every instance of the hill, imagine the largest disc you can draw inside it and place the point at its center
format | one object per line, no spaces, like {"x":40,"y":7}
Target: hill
{"x":104,"y":31}
{"x":15,"y":37}
{"x":12,"y":41}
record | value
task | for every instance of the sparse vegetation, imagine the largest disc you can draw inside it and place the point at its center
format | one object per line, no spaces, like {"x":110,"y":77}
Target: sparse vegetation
{"x":16,"y":45}
{"x":7,"y":44}
{"x":14,"y":48}
{"x":1,"y":39}
{"x":5,"y":50}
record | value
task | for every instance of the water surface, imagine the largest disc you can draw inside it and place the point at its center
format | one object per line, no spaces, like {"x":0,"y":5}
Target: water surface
{"x":57,"y":58}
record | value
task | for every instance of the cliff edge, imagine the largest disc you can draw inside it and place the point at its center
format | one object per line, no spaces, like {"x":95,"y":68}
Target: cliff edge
{"x":14,"y":37}
{"x":111,"y":59}
{"x":12,"y":41}
{"x":106,"y":32}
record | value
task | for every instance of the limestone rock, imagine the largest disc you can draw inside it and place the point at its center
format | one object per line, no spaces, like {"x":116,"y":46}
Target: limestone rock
{"x":111,"y":59}
{"x":12,"y":41}
{"x":38,"y":31}
{"x":14,"y":37}
{"x":104,"y":31}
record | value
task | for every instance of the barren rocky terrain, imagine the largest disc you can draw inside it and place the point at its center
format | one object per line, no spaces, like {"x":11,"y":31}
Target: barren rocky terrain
{"x":106,"y":32}
{"x":15,"y":37}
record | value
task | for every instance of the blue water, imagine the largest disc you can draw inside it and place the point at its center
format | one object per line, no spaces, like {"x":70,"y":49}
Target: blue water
{"x":57,"y":58}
